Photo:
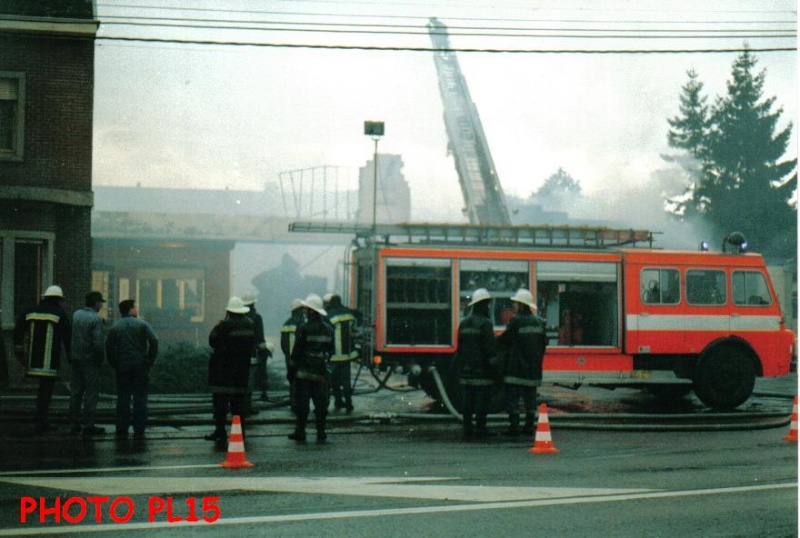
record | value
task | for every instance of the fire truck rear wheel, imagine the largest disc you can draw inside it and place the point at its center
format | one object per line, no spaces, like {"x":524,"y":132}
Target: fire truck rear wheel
{"x":724,"y":378}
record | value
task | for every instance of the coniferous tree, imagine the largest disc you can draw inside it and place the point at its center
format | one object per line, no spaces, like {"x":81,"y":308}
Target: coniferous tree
{"x":743,"y":185}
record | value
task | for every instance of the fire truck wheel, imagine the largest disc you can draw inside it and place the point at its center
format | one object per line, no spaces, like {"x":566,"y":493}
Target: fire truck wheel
{"x":724,"y":378}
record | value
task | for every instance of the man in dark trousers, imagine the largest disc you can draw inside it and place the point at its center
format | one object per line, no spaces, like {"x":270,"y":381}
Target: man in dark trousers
{"x":343,"y":322}
{"x":310,"y":358}
{"x":88,"y":354}
{"x":229,"y":366}
{"x":523,"y":343}
{"x":39,"y":335}
{"x":477,"y":354}
{"x":288,"y":338}
{"x":131,"y":349}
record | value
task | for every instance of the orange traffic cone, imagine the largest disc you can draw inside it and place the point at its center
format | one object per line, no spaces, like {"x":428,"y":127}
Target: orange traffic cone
{"x":236,"y":457}
{"x":543,"y":443}
{"x":792,"y":436}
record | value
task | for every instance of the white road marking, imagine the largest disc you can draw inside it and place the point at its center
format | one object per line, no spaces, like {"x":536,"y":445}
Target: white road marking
{"x":288,"y":518}
{"x":108,"y":470}
{"x":398,"y":487}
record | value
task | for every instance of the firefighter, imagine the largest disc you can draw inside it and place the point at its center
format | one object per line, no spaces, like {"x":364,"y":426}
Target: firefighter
{"x":343,"y":321}
{"x":288,"y":337}
{"x":229,"y":367}
{"x":523,"y":344}
{"x":310,"y":357}
{"x":257,"y":377}
{"x":39,"y":335}
{"x":477,"y":356}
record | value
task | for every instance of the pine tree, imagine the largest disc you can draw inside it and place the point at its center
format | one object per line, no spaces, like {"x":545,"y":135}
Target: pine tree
{"x":689,"y":132}
{"x":743,"y":183}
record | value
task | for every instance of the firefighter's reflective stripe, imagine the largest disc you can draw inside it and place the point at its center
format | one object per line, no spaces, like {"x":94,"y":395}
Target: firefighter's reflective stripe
{"x":341,"y":322}
{"x":42,"y":344}
{"x":291,"y":330}
{"x":722,"y":323}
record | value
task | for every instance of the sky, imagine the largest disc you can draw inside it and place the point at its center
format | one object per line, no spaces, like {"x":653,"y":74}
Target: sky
{"x":181,"y":109}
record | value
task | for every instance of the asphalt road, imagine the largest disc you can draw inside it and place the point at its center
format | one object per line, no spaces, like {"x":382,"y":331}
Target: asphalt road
{"x":405,"y":478}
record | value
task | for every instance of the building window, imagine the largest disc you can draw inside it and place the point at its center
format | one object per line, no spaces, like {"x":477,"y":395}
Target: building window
{"x":12,"y":107}
{"x":25,"y":271}
{"x":171,"y":294}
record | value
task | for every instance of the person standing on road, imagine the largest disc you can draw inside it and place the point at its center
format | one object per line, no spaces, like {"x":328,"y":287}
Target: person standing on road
{"x":257,"y":378}
{"x":288,"y":338}
{"x":131,"y":349}
{"x":477,"y":354}
{"x":310,"y":358}
{"x":88,"y":353}
{"x":39,"y":335}
{"x":523,"y":343}
{"x":229,"y":367}
{"x":343,"y":322}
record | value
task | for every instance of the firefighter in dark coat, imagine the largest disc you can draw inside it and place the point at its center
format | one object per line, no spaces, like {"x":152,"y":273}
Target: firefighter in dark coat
{"x":523,"y":344}
{"x":39,"y":335}
{"x":229,"y":367}
{"x":288,"y":338}
{"x":310,"y":359}
{"x":343,"y":321}
{"x":477,"y":358}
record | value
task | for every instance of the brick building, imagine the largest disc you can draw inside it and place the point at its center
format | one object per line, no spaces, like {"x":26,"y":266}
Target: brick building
{"x":46,"y":105}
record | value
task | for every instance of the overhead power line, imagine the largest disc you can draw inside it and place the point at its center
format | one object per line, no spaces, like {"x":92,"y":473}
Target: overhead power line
{"x":454,"y":49}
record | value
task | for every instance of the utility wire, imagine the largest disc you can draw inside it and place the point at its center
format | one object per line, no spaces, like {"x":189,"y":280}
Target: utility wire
{"x":454,"y":49}
{"x":415,"y":29}
{"x":615,"y":20}
{"x":424,"y":32}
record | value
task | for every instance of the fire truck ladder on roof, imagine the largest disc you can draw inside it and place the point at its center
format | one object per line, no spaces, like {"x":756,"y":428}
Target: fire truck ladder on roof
{"x":582,"y":237}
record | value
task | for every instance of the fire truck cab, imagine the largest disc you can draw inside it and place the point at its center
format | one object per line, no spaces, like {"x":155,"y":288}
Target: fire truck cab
{"x":617,"y":311}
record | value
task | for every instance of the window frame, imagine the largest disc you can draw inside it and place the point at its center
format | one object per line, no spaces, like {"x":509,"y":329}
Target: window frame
{"x":726,"y":297}
{"x":8,"y":243}
{"x":17,"y":151}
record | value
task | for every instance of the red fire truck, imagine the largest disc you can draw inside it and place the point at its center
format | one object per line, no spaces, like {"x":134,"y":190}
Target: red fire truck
{"x":617,"y":311}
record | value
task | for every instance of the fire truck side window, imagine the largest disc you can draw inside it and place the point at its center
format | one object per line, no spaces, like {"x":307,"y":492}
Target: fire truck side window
{"x":750,"y":288}
{"x":418,"y":302}
{"x":660,"y":286}
{"x":706,"y":287}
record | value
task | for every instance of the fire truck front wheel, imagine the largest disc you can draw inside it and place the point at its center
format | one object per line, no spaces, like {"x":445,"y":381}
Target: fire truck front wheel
{"x":724,"y":377}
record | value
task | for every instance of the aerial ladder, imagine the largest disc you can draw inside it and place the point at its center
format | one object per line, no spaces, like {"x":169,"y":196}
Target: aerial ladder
{"x":480,"y":186}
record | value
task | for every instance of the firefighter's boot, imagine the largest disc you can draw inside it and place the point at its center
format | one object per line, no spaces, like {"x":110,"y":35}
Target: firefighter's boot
{"x":321,"y":434}
{"x":513,"y":425}
{"x":299,"y":433}
{"x":530,"y":420}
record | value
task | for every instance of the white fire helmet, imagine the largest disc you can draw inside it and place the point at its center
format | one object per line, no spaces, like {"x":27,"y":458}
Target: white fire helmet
{"x":481,"y":294}
{"x":54,"y":291}
{"x":297,"y":303}
{"x":524,"y":296}
{"x":314,"y":302}
{"x":236,"y":306}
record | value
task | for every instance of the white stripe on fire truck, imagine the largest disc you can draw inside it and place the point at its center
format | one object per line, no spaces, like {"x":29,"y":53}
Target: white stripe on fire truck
{"x":702,"y":323}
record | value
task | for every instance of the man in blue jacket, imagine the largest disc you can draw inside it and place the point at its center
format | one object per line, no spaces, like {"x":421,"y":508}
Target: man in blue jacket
{"x":88,"y":354}
{"x":131,"y":349}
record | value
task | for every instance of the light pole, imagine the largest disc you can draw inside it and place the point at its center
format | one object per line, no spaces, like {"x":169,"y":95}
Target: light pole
{"x":374,"y":129}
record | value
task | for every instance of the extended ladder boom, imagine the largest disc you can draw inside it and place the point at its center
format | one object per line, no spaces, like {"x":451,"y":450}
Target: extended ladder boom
{"x":480,"y":186}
